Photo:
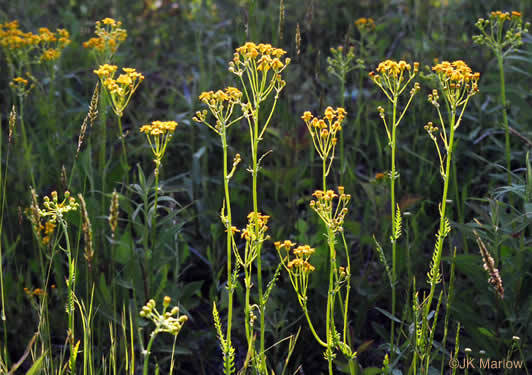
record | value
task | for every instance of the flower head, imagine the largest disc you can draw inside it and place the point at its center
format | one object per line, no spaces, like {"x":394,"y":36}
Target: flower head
{"x":457,"y":80}
{"x":120,"y":89}
{"x":109,"y":36}
{"x":324,"y":131}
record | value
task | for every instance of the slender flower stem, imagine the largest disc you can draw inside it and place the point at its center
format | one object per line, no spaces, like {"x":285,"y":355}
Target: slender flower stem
{"x":443,"y":205}
{"x":342,"y":158}
{"x":124,"y":152}
{"x":148,"y":352}
{"x":505,"y":117}
{"x":70,"y":302}
{"x":392,"y":204}
{"x":229,"y":243}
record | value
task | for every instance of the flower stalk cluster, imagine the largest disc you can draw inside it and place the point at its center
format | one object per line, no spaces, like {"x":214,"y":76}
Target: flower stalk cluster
{"x":259,"y":68}
{"x":165,"y":321}
{"x":393,"y":78}
{"x":458,"y":83}
{"x":502,"y":32}
{"x":109,"y":36}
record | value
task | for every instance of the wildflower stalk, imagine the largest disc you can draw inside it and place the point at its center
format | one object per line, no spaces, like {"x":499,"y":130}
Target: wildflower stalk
{"x":393,"y":79}
{"x":253,"y":63}
{"x":70,"y":299}
{"x":166,"y":321}
{"x":221,"y":105}
{"x":324,"y":137}
{"x":504,"y":35}
{"x":122,"y":140}
{"x":458,"y":84}
{"x":3,"y":185}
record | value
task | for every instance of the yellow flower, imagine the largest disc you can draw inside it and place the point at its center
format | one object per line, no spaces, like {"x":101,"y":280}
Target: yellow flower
{"x":121,"y":89}
{"x":325,"y":139}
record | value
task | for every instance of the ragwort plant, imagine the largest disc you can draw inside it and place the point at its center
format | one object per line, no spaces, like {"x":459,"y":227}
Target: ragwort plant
{"x":221,"y":105}
{"x":502,"y":33}
{"x":331,"y":208}
{"x":457,"y":84}
{"x":393,"y":78}
{"x":259,"y":68}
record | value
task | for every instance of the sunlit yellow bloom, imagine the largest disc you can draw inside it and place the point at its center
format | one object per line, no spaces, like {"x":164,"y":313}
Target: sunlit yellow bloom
{"x":121,"y":89}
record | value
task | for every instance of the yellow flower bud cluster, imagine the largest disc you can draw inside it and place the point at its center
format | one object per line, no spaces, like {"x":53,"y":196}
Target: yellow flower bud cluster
{"x":120,"y":89}
{"x":12,"y":38}
{"x":393,"y":77}
{"x":166,"y":321}
{"x":52,"y":44}
{"x":503,"y":31}
{"x":157,"y":128}
{"x":257,"y":60}
{"x":18,"y":45}
{"x":263,"y":56}
{"x":323,"y":131}
{"x":109,"y":37}
{"x":365,"y":25}
{"x":21,"y":86}
{"x":457,"y":80}
{"x":159,"y":134}
{"x":331,"y":207}
{"x":256,"y":227}
{"x":221,"y":104}
{"x":54,"y":209}
{"x":296,"y":263}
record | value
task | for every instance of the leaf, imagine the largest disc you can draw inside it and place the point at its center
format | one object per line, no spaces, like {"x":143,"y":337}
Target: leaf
{"x":36,"y":367}
{"x":389,"y":315}
{"x":485,"y":332}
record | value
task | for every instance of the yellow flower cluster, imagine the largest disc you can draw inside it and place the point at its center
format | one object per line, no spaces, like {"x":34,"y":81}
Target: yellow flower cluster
{"x":167,"y":321}
{"x":55,"y":209}
{"x":109,"y":37}
{"x":120,"y":89}
{"x":37,"y":292}
{"x":458,"y":82}
{"x":256,"y":60}
{"x":16,"y":41}
{"x":296,"y":263}
{"x":52,"y":44}
{"x":365,"y":24}
{"x":302,"y":254}
{"x":504,"y":16}
{"x":323,"y":131}
{"x":333,"y":217}
{"x":256,"y":227}
{"x":159,"y":134}
{"x":12,"y":38}
{"x":230,"y":94}
{"x":263,"y":56}
{"x":48,"y":231}
{"x":221,"y":104}
{"x":394,"y":76}
{"x":157,"y":128}
{"x":20,"y":86}
{"x":500,"y":35}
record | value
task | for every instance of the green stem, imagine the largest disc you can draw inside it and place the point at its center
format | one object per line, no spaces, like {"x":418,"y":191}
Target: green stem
{"x":255,"y":143}
{"x":442,"y":208}
{"x":124,"y":152}
{"x":342,"y":160}
{"x":394,"y":242}
{"x":70,"y":306}
{"x":148,"y":352}
{"x":229,"y":239}
{"x":505,"y":117}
